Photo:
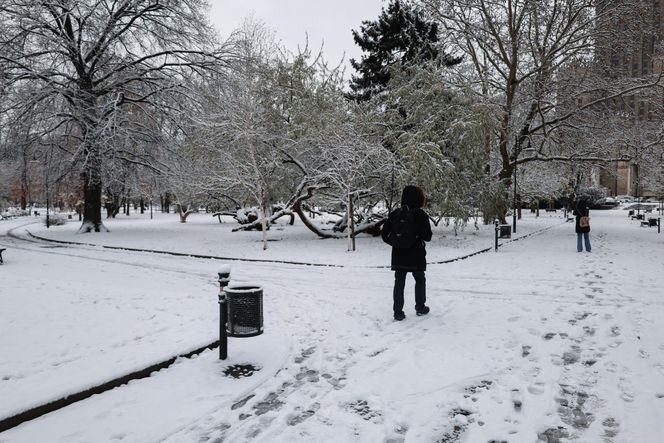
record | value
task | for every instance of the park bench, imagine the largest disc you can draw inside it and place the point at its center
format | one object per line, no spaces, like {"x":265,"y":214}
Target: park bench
{"x":1,"y":251}
{"x":649,"y":223}
{"x":550,"y":210}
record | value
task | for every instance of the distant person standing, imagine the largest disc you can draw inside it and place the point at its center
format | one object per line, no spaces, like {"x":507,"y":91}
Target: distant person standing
{"x":582,"y":214}
{"x":406,"y":229}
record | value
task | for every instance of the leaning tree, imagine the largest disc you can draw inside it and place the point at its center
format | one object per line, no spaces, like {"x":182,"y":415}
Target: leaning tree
{"x":103,"y":63}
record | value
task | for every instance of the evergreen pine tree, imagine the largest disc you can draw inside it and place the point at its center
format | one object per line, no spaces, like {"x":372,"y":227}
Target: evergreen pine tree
{"x":401,"y":34}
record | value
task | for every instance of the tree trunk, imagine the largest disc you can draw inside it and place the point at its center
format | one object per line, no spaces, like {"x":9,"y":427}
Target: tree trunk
{"x":24,"y":181}
{"x":351,"y":223}
{"x":184,"y":212}
{"x":167,"y":204}
{"x":92,"y":202}
{"x":297,"y":208}
{"x":264,"y":223}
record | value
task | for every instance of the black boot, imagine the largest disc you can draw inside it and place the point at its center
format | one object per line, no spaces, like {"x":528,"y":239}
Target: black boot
{"x":422,"y":311}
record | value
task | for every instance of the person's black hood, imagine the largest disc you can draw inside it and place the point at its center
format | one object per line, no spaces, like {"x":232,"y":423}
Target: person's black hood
{"x":412,"y":196}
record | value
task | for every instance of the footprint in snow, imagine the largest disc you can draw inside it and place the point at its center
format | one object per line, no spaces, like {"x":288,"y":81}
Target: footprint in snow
{"x":335,"y":382}
{"x":588,"y":330}
{"x":615,"y":344}
{"x":536,"y":388}
{"x":553,"y":435}
{"x":572,"y":356}
{"x":400,"y":437}
{"x":364,"y":410}
{"x":305,"y":354}
{"x":271,"y":402}
{"x":571,"y":408}
{"x":626,"y":390}
{"x":611,"y":427}
{"x":517,"y":399}
{"x":525,"y":350}
{"x":301,"y":415}
{"x":306,"y":374}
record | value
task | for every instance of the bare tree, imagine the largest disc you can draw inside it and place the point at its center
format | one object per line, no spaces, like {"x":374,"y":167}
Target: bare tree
{"x":523,"y":53}
{"x":95,"y":60}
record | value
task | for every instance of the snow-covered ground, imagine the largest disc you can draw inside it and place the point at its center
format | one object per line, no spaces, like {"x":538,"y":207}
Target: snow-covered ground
{"x":533,"y":341}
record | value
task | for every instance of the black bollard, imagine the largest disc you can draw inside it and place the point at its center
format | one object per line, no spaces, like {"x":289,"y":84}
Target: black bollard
{"x":497,"y":229}
{"x":659,"y":224}
{"x":224,"y":280}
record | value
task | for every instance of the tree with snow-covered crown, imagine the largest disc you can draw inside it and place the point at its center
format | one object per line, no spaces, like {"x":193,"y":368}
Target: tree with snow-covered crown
{"x":101,"y":63}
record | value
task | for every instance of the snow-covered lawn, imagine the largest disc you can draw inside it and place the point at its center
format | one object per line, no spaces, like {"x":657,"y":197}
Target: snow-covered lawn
{"x":534,"y":340}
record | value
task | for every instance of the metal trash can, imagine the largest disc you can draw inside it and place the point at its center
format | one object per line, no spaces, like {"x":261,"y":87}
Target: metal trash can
{"x":505,"y":231}
{"x":245,"y":311}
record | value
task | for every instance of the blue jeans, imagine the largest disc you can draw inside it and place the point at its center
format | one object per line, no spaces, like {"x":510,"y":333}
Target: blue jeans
{"x":586,"y":239}
{"x":420,"y":290}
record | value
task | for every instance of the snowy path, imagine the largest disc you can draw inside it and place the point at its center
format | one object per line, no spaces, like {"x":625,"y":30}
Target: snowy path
{"x":73,"y":319}
{"x":535,"y":340}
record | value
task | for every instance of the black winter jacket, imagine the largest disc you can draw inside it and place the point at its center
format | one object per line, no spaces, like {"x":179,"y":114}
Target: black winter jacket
{"x":579,"y":212}
{"x":414,"y":258}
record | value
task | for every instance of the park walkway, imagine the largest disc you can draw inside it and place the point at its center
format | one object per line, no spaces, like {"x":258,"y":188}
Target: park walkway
{"x":535,"y":340}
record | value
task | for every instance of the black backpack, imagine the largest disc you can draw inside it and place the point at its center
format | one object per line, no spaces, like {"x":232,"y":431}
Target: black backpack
{"x":404,"y":231}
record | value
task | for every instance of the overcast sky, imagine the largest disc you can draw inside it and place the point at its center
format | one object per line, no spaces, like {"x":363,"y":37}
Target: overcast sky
{"x":327,"y":22}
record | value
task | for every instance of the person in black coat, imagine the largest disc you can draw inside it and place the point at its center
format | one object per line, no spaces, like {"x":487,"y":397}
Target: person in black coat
{"x":582,"y":232}
{"x":411,"y":259}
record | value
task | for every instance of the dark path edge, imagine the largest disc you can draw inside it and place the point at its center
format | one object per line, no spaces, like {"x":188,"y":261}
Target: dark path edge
{"x":472,"y":254}
{"x":38,"y":411}
{"x":287,"y":262}
{"x":184,"y":254}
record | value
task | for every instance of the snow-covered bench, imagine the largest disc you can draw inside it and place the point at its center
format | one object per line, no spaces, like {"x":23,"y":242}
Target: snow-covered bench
{"x":1,"y":251}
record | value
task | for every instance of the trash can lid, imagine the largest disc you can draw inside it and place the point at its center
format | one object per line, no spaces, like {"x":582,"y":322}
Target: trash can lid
{"x":244,"y":288}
